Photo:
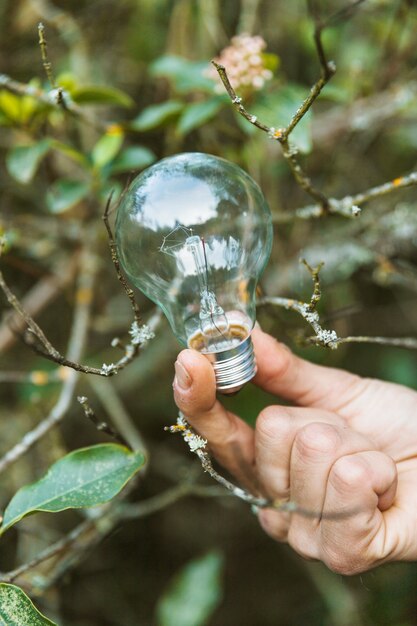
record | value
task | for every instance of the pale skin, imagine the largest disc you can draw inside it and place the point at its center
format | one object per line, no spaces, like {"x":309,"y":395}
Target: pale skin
{"x":346,"y":449}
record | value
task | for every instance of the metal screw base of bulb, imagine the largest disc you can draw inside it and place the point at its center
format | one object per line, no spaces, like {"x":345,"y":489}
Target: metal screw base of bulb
{"x":234,"y":367}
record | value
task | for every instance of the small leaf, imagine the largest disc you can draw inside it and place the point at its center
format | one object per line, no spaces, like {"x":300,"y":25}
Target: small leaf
{"x":16,"y":609}
{"x":84,"y":478}
{"x":185,"y":75}
{"x":197,"y":114}
{"x":193,"y":595}
{"x":156,"y":115}
{"x":100,"y":94}
{"x":132,"y":158}
{"x":23,"y":161}
{"x":64,"y":194}
{"x":270,"y":60}
{"x":10,"y":105}
{"x":107,"y":147}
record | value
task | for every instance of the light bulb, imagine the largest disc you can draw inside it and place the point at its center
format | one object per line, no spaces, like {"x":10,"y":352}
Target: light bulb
{"x":194,"y":234}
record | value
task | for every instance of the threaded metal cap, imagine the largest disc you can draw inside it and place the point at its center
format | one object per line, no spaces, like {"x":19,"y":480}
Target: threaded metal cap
{"x":234,"y":367}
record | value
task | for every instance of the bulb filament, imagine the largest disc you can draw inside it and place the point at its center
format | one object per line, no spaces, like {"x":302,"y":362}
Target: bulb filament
{"x":213,"y":321}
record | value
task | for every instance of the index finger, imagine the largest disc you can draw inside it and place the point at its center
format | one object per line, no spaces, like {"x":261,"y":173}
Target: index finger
{"x":286,"y":375}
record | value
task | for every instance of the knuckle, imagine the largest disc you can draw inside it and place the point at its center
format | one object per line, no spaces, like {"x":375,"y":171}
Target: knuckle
{"x":346,"y":564}
{"x":349,"y":473}
{"x":274,"y":423}
{"x":317,"y":439}
{"x":275,"y":524}
{"x":303,"y":543}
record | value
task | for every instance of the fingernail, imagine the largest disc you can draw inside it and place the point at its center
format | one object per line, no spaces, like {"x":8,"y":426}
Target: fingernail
{"x":183,"y":378}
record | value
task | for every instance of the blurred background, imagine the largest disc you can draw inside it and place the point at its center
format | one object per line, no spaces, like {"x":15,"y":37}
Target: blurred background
{"x":138,"y":73}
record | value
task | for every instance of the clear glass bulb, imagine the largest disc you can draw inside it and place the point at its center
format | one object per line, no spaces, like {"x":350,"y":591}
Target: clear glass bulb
{"x":194,"y":234}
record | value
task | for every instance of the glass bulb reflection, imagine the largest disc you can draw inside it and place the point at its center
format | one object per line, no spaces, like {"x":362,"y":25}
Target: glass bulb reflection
{"x":194,"y":234}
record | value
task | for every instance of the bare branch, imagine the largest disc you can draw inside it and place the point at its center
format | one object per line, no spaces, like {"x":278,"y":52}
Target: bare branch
{"x":324,"y":337}
{"x":42,"y":294}
{"x":75,"y":347}
{"x":115,"y":259}
{"x":90,"y":532}
{"x":198,"y":446}
{"x":280,"y":135}
{"x":57,"y":98}
{"x":47,"y":65}
{"x":100,"y":424}
{"x":400,"y":342}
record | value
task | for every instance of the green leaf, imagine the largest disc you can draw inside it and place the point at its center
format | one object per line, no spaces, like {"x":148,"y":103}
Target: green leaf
{"x":100,"y":94}
{"x":132,"y":158}
{"x":271,"y":61}
{"x":106,"y":148}
{"x":16,"y":609}
{"x":193,"y":594}
{"x":23,"y":161}
{"x":64,"y":194}
{"x":10,"y":105}
{"x":84,"y":478}
{"x":156,"y":115}
{"x":198,"y":113}
{"x":185,"y":75}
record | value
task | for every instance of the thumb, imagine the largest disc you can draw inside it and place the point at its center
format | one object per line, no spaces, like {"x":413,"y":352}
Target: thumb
{"x":230,"y":439}
{"x":286,"y":375}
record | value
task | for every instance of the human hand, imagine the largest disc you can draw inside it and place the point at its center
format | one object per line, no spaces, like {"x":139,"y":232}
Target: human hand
{"x":347,"y":451}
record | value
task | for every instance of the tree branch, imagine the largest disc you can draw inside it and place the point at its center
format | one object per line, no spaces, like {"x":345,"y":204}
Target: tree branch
{"x":75,"y":347}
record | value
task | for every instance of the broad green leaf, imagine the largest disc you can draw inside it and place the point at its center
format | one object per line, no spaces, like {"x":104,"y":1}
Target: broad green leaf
{"x":193,"y":595}
{"x":100,"y":94}
{"x":16,"y":609}
{"x":156,"y":115}
{"x":197,"y":114}
{"x":23,"y":161}
{"x":84,"y":478}
{"x":185,"y":75}
{"x":64,"y":194}
{"x":132,"y":158}
{"x":107,"y":147}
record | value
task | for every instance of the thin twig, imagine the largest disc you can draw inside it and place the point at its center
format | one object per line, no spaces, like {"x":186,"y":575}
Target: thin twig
{"x":42,"y":294}
{"x":289,"y":152}
{"x":117,"y":511}
{"x":49,"y":552}
{"x":324,"y":337}
{"x":400,"y":342}
{"x":307,"y":310}
{"x":57,"y":98}
{"x":35,"y":377}
{"x":328,"y":69}
{"x":101,"y":426}
{"x":115,"y":408}
{"x":349,"y":205}
{"x":198,"y":446}
{"x":47,"y":65}
{"x":75,"y":347}
{"x":35,"y":338}
{"x":115,"y":259}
